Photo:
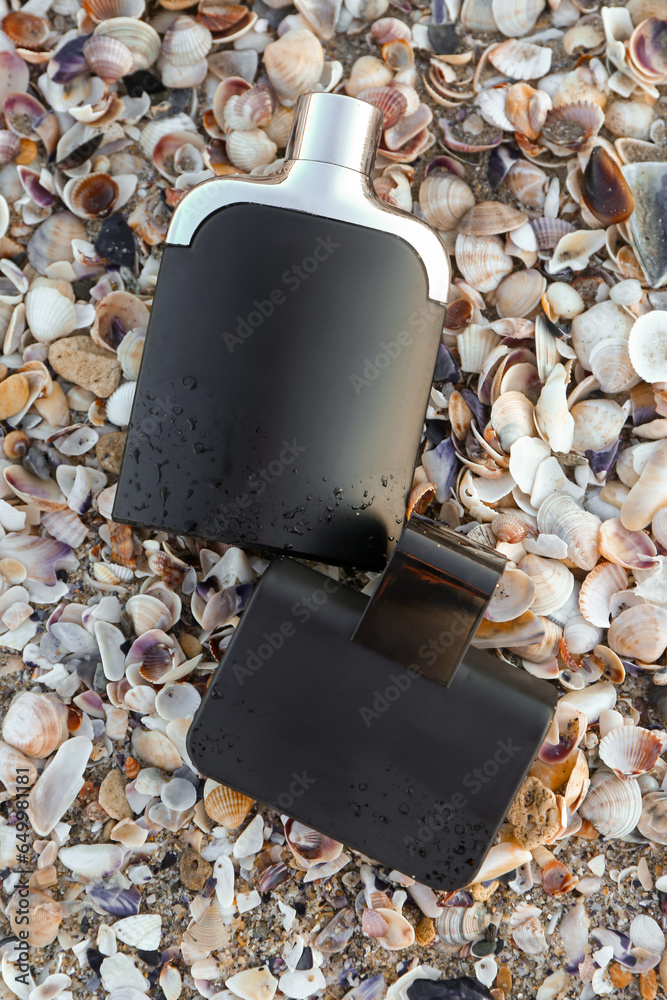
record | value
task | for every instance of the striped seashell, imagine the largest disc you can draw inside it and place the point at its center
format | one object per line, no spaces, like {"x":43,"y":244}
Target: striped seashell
{"x":108,"y":58}
{"x":521,"y":60}
{"x":597,"y":590}
{"x":294,"y":63}
{"x":444,"y":199}
{"x":227,"y":806}
{"x":155,"y":749}
{"x":612,"y":804}
{"x":186,"y":42}
{"x":630,"y":750}
{"x":392,"y":103}
{"x":482,"y":261}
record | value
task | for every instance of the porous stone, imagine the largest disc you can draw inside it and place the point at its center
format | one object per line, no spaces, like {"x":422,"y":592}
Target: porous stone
{"x":78,"y":359}
{"x":534,"y":814}
{"x":112,"y":796}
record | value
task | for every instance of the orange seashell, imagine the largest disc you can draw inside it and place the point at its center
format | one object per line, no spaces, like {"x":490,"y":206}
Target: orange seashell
{"x":26,"y":30}
{"x":557,"y":879}
{"x":227,"y":806}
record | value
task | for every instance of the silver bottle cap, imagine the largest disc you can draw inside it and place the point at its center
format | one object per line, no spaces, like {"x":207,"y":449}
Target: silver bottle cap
{"x":332,"y":128}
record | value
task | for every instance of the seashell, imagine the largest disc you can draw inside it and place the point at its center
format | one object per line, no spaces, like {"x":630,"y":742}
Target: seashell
{"x":399,"y":933}
{"x":652,"y":822}
{"x":527,"y":931}
{"x":482,"y":261}
{"x":119,"y":404}
{"x":93,"y":196}
{"x":390,"y":101}
{"x":612,"y":805}
{"x":227,"y":806}
{"x":474,"y":346}
{"x":229,"y":21}
{"x":52,"y":240}
{"x":572,"y":126}
{"x":477,"y":15}
{"x":597,"y":424}
{"x":252,"y":109}
{"x":367,"y":72}
{"x":514,"y":594}
{"x":92,"y":860}
{"x":645,"y":50}
{"x":101,"y":10}
{"x":631,"y":549}
{"x":528,"y":183}
{"x":142,"y":931}
{"x":170,"y":982}
{"x":373,"y":924}
{"x":516,"y":17}
{"x":580,"y":636}
{"x":489,"y":218}
{"x":559,"y":514}
{"x":130,"y":352}
{"x":13,"y":763}
{"x":658,"y":527}
{"x":459,"y":925}
{"x":49,"y":314}
{"x":525,"y":630}
{"x":40,"y":915}
{"x":209,"y":933}
{"x":108,"y":58}
{"x":520,"y":293}
{"x":250,"y":148}
{"x":553,"y":581}
{"x":389,"y":29}
{"x":294,"y":64}
{"x":444,"y":199}
{"x":646,"y":933}
{"x":186,"y":42}
{"x":554,"y":421}
{"x":629,"y":119}
{"x":574,"y":251}
{"x":35,"y":724}
{"x":155,"y":749}
{"x":639,"y":632}
{"x":597,"y":591}
{"x":139,"y":37}
{"x":14,"y":394}
{"x":367,"y":10}
{"x":308,"y":846}
{"x":646,"y":181}
{"x":512,"y":418}
{"x":605,"y":190}
{"x":26,"y":30}
{"x":10,"y":146}
{"x":630,"y":750}
{"x":647,"y":345}
{"x":612,"y":367}
{"x":501,"y":859}
{"x":253,"y":984}
{"x":147,"y":613}
{"x":521,"y":60}
{"x":58,"y":785}
{"x":647,"y":496}
{"x":526,"y":109}
{"x":546,"y":648}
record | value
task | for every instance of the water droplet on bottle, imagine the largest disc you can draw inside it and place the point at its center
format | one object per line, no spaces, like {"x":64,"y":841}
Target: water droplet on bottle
{"x":189,"y":382}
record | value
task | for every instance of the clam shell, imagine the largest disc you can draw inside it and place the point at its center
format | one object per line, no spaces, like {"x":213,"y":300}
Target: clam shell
{"x":631,"y":549}
{"x":516,"y":17}
{"x":108,"y":58}
{"x":482,"y":261}
{"x":253,"y":984}
{"x":597,"y":591}
{"x":209,"y":933}
{"x":250,"y":148}
{"x":58,"y":785}
{"x":649,"y":493}
{"x":13,"y":762}
{"x":560,"y":515}
{"x":612,"y":805}
{"x":514,"y":594}
{"x":652,"y":822}
{"x":520,"y":293}
{"x":155,"y":749}
{"x":580,"y":635}
{"x":630,"y":750}
{"x":294,"y":64}
{"x":647,"y":346}
{"x":546,"y":648}
{"x":552,"y":416}
{"x":227,"y":806}
{"x":521,"y":60}
{"x":646,"y":181}
{"x":639,"y":633}
{"x":400,"y":933}
{"x":148,"y":613}
{"x":459,"y":925}
{"x":142,"y":931}
{"x":549,"y":232}
{"x":612,"y":367}
{"x":659,"y":527}
{"x":477,"y":15}
{"x":367,"y":72}
{"x":629,"y":119}
{"x":52,"y":240}
{"x":512,"y":418}
{"x":444,"y":199}
{"x":489,"y":218}
{"x":528,"y":183}
{"x":14,"y":395}
{"x":186,"y":42}
{"x":605,"y":190}
{"x":574,"y":251}
{"x":645,"y":932}
{"x":119,"y":404}
{"x":597,"y":424}
{"x":35,"y":724}
{"x":553,"y":581}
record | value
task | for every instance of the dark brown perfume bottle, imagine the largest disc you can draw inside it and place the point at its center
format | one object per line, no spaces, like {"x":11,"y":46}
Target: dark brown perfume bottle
{"x":289,"y":354}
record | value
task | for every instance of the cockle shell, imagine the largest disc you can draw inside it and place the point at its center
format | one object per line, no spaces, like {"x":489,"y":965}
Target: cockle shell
{"x":612,"y":804}
{"x":474,"y":346}
{"x":108,"y":58}
{"x":553,"y":583}
{"x":477,"y":15}
{"x":639,"y":632}
{"x":482,"y":261}
{"x":597,"y":591}
{"x":652,"y":822}
{"x":489,"y":218}
{"x":148,"y":612}
{"x":630,"y":750}
{"x":35,"y":724}
{"x":580,"y":636}
{"x":294,"y":63}
{"x":560,"y":515}
{"x":139,"y":37}
{"x":49,"y":314}
{"x":444,"y":199}
{"x":612,"y":367}
{"x":227,"y":806}
{"x":528,"y":183}
{"x":572,"y":126}
{"x":649,"y":493}
{"x":646,"y":933}
{"x":186,"y":41}
{"x":250,"y":148}
{"x":514,"y":594}
{"x":459,"y":925}
{"x":629,"y":119}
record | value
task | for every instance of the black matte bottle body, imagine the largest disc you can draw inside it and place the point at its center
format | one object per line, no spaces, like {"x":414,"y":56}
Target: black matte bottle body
{"x":283,"y":386}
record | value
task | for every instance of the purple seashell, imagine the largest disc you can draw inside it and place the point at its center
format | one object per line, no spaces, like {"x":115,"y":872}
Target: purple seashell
{"x":244,"y":592}
{"x":438,"y":12}
{"x":619,"y":941}
{"x":70,"y":60}
{"x":442,"y":468}
{"x":461,"y":988}
{"x":40,"y":556}
{"x":630,"y":668}
{"x":34,"y":188}
{"x":459,"y":899}
{"x":602,"y":462}
{"x":446,"y":369}
{"x":501,"y":161}
{"x":475,"y":405}
{"x":448,"y":164}
{"x":115,"y":901}
{"x":272,"y":876}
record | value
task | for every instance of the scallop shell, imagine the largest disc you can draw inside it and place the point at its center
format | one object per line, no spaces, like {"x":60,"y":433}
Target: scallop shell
{"x":521,"y":60}
{"x":571,"y":127}
{"x":459,"y":925}
{"x":652,"y":822}
{"x":630,"y":750}
{"x":139,"y":37}
{"x":49,"y":314}
{"x":119,"y":404}
{"x":528,"y":183}
{"x":474,"y":346}
{"x":186,"y":42}
{"x":390,"y":101}
{"x":444,"y":199}
{"x":52,"y":240}
{"x":294,"y":63}
{"x":108,"y":58}
{"x":512,"y":418}
{"x":649,"y":493}
{"x":560,"y":515}
{"x":227,"y":806}
{"x":597,"y":591}
{"x":639,"y":632}
{"x":482,"y":261}
{"x":250,"y":148}
{"x":612,"y":805}
{"x":516,"y":17}
{"x":647,"y":345}
{"x":553,"y":581}
{"x":520,"y":293}
{"x":155,"y":749}
{"x":631,"y":549}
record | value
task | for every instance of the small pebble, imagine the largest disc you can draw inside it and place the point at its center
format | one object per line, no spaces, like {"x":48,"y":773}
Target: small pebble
{"x":112,"y":796}
{"x":193,"y":869}
{"x":109,"y":450}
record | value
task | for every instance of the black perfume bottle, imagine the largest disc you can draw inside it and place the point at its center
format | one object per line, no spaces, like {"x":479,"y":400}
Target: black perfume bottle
{"x":371,"y":720}
{"x":289,"y":355}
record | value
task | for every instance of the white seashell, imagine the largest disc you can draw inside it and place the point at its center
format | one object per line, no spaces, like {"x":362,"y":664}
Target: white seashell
{"x":149,"y":781}
{"x":526,"y":455}
{"x":611,"y":365}
{"x":177,"y":701}
{"x":631,"y":549}
{"x":597,"y":591}
{"x":457,"y":925}
{"x":629,"y":119}
{"x":526,"y":930}
{"x":186,"y":42}
{"x":612,"y":805}
{"x":109,"y":640}
{"x":35,"y":724}
{"x":148,"y":612}
{"x":294,"y":64}
{"x":653,"y":820}
{"x":250,"y":148}
{"x":367,"y":72}
{"x":521,"y":60}
{"x":92,"y":860}
{"x":647,"y":345}
{"x":477,"y":15}
{"x":482,"y":261}
{"x":597,"y":424}
{"x":156,"y":749}
{"x":630,"y":750}
{"x":514,"y":594}
{"x":253,"y":984}
{"x":170,"y":981}
{"x":645,"y":932}
{"x":516,"y":17}
{"x":512,"y":418}
{"x":400,"y":932}
{"x":565,"y":301}
{"x":560,"y":515}
{"x":178,"y":794}
{"x":580,"y":635}
{"x":602,"y":322}
{"x":444,"y":199}
{"x":130,"y":351}
{"x":491,"y":104}
{"x":626,"y":293}
{"x":140,"y":38}
{"x":119,"y":404}
{"x":12,"y":765}
{"x":49,"y":314}
{"x":519,"y":294}
{"x":528,"y":183}
{"x":553,"y":583}
{"x":574,"y":251}
{"x":58,"y":785}
{"x":142,"y":931}
{"x":649,"y":493}
{"x":639,"y":632}
{"x":500,"y":859}
{"x":474,"y":346}
{"x":554,"y":421}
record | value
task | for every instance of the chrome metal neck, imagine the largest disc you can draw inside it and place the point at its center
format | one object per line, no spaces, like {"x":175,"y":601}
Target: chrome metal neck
{"x":332,"y":128}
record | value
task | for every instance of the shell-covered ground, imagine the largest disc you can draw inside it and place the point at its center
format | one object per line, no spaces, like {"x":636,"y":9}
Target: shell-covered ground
{"x":532,"y":137}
